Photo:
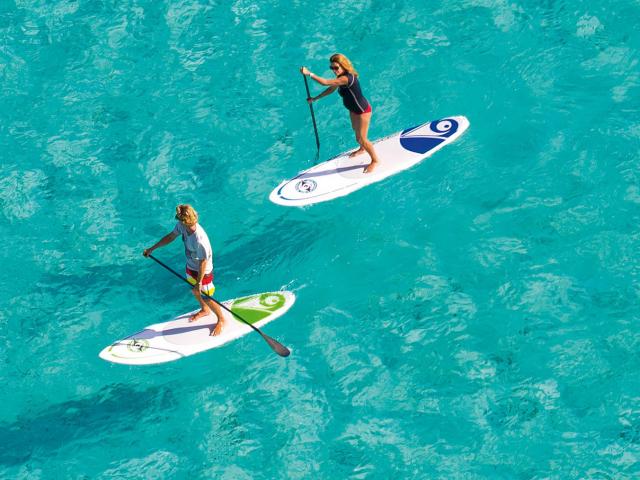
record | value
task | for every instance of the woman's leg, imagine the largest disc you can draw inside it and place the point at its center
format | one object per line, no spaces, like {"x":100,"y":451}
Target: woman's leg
{"x":360,"y":124}
{"x":355,"y":125}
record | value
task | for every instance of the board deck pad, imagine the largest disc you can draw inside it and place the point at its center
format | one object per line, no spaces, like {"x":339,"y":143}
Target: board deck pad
{"x":178,"y":338}
{"x":343,"y":174}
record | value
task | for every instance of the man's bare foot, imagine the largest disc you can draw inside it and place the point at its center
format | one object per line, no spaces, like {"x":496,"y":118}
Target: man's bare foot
{"x":356,"y":152}
{"x":199,"y":315}
{"x":369,"y":168}
{"x":217,"y":330}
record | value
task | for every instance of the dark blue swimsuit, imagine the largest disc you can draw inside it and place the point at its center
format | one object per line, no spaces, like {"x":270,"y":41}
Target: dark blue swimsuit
{"x":351,"y":94}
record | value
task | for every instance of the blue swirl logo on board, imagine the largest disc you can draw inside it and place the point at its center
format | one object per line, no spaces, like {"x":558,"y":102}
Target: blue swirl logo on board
{"x":425,"y":137}
{"x":306,"y":186}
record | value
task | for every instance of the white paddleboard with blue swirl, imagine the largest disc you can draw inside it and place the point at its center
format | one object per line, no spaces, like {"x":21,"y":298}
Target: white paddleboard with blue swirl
{"x":342,"y":174}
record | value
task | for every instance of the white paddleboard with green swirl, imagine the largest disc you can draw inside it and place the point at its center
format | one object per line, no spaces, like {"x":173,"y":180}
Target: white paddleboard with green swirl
{"x":178,"y":338}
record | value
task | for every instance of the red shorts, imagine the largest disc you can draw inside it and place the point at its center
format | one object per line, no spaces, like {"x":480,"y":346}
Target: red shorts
{"x":207,"y":287}
{"x":367,"y":110}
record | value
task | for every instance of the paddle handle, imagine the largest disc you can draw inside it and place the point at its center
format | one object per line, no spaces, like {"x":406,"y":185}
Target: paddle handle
{"x":275,"y":345}
{"x":313,"y":117}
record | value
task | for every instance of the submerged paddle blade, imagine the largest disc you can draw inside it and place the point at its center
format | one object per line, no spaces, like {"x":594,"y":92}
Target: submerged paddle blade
{"x":276,"y":346}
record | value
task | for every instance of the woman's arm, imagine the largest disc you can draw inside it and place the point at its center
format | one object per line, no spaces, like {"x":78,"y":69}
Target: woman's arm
{"x":326,"y":92}
{"x":336,"y":82}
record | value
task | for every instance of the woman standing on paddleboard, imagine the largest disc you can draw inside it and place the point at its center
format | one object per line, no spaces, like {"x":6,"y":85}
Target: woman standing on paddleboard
{"x":348,"y":86}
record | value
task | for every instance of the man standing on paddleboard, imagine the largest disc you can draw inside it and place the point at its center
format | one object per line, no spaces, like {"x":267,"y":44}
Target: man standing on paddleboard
{"x":199,"y":255}
{"x":348,"y":86}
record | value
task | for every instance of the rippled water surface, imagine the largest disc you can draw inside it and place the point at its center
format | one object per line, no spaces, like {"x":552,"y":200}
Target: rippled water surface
{"x":474,"y":317}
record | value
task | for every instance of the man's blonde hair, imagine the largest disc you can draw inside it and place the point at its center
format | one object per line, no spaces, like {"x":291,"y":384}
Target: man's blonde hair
{"x":186,"y":214}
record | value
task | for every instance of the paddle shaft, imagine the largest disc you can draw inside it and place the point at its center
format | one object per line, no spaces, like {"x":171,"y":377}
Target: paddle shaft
{"x":313,"y":117}
{"x":275,"y":345}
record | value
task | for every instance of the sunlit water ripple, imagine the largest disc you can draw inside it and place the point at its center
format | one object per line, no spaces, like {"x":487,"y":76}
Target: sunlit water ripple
{"x":475,"y":317}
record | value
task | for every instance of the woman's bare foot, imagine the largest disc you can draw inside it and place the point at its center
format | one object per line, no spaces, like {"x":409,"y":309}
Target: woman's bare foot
{"x":369,"y":168}
{"x":199,"y":315}
{"x":356,"y":152}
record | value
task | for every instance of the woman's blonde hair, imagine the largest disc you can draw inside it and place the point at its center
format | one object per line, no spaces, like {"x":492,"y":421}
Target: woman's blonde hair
{"x":186,"y":214}
{"x":344,"y":62}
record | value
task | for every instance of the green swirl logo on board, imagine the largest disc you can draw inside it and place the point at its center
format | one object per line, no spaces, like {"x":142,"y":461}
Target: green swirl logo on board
{"x":272,"y":301}
{"x":137,"y":345}
{"x":257,"y":307}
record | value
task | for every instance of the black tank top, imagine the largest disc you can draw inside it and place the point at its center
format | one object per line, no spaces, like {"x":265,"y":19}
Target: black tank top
{"x":351,"y":94}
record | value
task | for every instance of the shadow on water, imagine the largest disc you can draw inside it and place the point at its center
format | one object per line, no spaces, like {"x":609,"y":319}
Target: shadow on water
{"x":283,"y":241}
{"x":271,"y":239}
{"x":103,"y":278}
{"x":92,"y":417}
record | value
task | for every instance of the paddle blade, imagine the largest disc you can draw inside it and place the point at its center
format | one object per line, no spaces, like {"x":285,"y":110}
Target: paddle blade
{"x":276,"y":346}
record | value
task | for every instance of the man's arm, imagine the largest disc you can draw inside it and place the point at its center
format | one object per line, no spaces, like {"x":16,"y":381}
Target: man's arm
{"x":201,"y":267}
{"x":167,"y":239}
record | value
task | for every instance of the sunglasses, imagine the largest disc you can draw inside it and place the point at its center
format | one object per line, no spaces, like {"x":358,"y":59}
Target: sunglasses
{"x":335,"y":69}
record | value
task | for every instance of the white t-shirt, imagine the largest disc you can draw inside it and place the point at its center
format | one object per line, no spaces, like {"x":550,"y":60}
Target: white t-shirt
{"x":196,"y":247}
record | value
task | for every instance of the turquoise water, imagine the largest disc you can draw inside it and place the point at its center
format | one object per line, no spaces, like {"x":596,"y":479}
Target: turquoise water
{"x":474,"y":317}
